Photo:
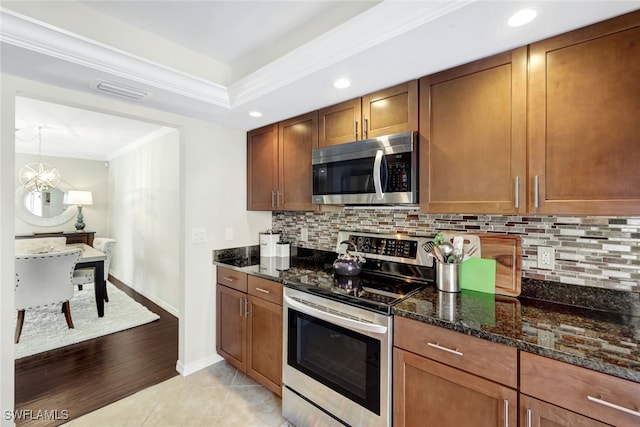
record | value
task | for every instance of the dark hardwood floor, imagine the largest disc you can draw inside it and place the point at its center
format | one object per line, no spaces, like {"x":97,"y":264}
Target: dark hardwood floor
{"x":83,"y":377}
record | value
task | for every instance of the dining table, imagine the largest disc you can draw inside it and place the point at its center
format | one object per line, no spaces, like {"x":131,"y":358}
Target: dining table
{"x":93,"y":258}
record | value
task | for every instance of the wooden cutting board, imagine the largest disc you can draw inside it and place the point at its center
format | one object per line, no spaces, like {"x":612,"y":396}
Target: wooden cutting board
{"x":506,"y":249}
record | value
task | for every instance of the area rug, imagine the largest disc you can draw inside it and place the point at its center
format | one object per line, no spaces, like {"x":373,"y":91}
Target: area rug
{"x":45,"y":329}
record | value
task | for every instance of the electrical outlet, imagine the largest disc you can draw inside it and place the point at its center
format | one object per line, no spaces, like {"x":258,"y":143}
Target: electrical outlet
{"x":304,"y":235}
{"x":228,"y":233}
{"x":546,"y":338}
{"x":546,"y":257}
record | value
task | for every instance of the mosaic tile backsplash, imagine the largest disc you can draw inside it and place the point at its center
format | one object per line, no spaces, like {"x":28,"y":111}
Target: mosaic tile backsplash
{"x":601,"y":252}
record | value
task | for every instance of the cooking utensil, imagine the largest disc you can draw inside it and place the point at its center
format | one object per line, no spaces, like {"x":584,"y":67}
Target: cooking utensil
{"x":433,"y":251}
{"x":458,"y":249}
{"x":446,"y":249}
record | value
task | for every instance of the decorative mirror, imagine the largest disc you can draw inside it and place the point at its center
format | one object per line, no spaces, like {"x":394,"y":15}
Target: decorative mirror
{"x":44,"y":208}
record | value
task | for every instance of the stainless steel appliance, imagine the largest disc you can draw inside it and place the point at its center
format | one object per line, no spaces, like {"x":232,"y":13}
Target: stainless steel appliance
{"x":337,"y":348}
{"x":376,"y":171}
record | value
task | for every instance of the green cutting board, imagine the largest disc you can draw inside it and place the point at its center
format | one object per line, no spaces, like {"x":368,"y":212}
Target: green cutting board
{"x":478,"y":274}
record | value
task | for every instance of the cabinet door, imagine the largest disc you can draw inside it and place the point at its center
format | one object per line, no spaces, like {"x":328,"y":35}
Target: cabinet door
{"x":297,"y":138}
{"x":264,"y":345}
{"x":231,"y":342}
{"x":584,"y":110}
{"x":340,"y":123}
{"x":262,"y":168}
{"x":536,"y":413}
{"x":389,"y":111}
{"x":473,"y":137}
{"x":428,"y":393}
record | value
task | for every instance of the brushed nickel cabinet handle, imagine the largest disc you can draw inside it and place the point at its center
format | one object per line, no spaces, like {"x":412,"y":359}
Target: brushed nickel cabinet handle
{"x":264,"y":291}
{"x":229,"y":278}
{"x":278,"y":196}
{"x":529,"y":421}
{"x":536,"y":188}
{"x":517,"y":200}
{"x":448,"y":350}
{"x":273,"y":198}
{"x":601,"y":401}
{"x":365,"y":130}
{"x":246,"y":308}
{"x":506,"y":413}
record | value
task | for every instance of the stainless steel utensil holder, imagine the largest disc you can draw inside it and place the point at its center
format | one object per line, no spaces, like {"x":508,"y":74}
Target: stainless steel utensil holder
{"x":447,"y":278}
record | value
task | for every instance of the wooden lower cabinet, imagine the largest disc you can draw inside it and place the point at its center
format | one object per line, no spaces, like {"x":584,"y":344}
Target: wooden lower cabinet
{"x":536,"y":413}
{"x":264,"y":343}
{"x":231,"y":326}
{"x":611,"y":400}
{"x":249,"y":326}
{"x":427,"y":393}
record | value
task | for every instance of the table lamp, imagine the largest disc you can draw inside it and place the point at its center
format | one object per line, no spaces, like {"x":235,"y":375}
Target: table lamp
{"x":80,"y":198}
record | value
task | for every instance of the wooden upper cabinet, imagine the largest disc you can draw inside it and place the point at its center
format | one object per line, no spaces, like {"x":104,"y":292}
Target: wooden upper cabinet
{"x":473,"y":137}
{"x":279,"y":173}
{"x":340,"y":123}
{"x":389,"y":111}
{"x":297,"y":137}
{"x":262,"y":167}
{"x":584,"y":120}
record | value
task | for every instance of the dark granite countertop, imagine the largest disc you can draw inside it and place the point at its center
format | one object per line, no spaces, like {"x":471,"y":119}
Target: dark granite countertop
{"x":595,"y":329}
{"x":603,"y":341}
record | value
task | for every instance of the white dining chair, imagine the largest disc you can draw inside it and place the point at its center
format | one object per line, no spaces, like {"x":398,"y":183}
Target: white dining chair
{"x":43,"y":280}
{"x":83,"y":276}
{"x":40,"y":245}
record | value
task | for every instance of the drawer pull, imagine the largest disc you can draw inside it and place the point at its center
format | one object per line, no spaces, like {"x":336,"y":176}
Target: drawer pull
{"x":230,"y":278}
{"x":601,"y":401}
{"x":264,"y":291}
{"x":506,"y":413}
{"x":529,"y":421}
{"x":448,"y":350}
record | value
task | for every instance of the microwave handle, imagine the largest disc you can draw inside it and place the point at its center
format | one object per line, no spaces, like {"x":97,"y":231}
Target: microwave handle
{"x":377,"y":174}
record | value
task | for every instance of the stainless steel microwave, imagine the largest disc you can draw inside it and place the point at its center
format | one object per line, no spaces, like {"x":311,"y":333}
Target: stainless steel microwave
{"x":377,"y":171}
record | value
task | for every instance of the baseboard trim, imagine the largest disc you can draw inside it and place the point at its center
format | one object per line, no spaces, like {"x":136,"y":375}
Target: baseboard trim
{"x":169,"y":308}
{"x":190,"y":368}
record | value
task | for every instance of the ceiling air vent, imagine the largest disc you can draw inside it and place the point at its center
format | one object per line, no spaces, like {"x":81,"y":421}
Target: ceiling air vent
{"x":119,"y":89}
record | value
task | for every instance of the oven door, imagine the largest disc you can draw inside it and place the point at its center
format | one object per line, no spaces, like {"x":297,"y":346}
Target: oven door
{"x":337,"y":359}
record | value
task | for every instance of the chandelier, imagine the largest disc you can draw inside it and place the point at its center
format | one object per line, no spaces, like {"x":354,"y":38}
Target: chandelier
{"x":39,"y":176}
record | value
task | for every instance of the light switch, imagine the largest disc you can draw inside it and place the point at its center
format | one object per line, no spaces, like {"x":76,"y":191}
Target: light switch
{"x":228,"y":233}
{"x":198,"y":235}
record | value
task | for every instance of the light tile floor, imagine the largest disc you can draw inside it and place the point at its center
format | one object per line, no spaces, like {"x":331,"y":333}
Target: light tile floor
{"x":217,"y":396}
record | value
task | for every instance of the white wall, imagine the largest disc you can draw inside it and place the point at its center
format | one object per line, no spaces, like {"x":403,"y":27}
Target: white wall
{"x":212,"y":195}
{"x":89,"y":175}
{"x":145,"y":209}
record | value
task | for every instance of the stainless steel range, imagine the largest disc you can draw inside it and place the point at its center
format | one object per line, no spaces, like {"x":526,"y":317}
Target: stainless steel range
{"x":337,"y":332}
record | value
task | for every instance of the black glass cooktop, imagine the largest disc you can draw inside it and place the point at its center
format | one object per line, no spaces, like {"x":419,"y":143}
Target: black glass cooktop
{"x":372,"y":291}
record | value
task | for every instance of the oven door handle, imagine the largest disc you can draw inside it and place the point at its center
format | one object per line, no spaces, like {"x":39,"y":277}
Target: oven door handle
{"x":338,"y":320}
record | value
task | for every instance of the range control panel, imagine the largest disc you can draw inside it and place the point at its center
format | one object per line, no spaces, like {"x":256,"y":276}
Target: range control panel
{"x":385,"y":246}
{"x":402,"y":248}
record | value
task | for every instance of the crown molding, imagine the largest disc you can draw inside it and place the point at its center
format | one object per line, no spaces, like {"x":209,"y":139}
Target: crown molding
{"x":37,"y":36}
{"x":373,"y":27}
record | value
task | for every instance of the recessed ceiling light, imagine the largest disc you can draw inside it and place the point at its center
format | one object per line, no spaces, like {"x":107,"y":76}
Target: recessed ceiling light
{"x":522,"y":17}
{"x":341,"y":84}
{"x":255,"y":114}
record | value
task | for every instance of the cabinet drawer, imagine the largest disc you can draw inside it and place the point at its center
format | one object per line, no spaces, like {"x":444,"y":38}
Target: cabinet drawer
{"x":232,"y":279}
{"x":265,"y":289}
{"x":594,"y":394}
{"x":493,"y":361}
